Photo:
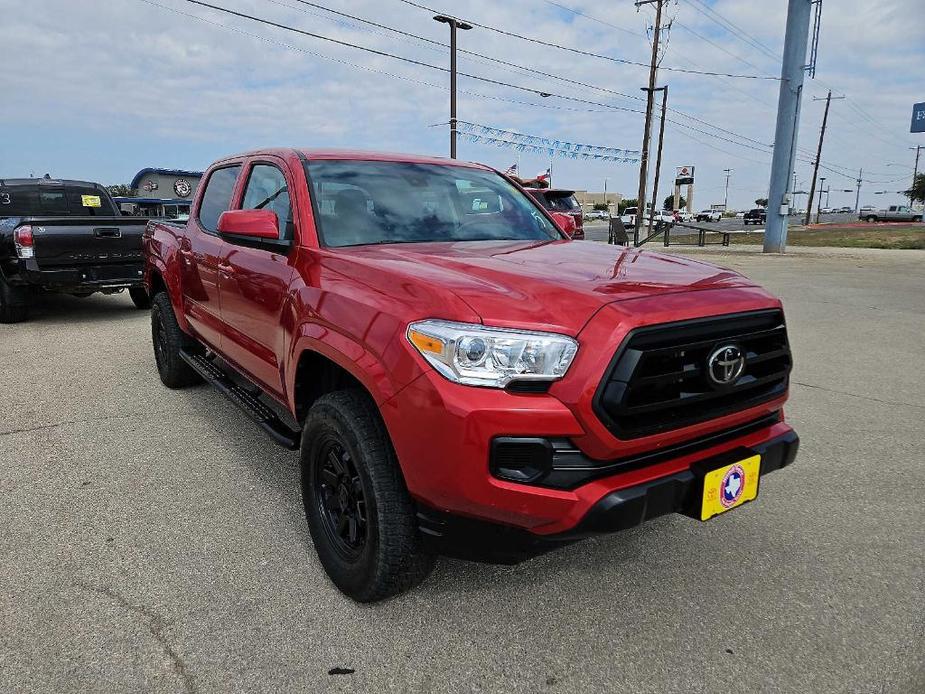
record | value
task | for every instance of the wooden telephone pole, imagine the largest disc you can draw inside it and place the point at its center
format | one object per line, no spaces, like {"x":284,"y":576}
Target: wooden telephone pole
{"x":812,"y":186}
{"x":647,"y":130}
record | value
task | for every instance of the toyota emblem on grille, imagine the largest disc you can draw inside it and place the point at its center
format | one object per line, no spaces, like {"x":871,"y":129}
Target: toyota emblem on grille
{"x":725,"y":364}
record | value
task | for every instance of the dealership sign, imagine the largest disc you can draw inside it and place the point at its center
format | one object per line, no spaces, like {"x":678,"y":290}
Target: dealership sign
{"x":918,"y":118}
{"x":685,"y":176}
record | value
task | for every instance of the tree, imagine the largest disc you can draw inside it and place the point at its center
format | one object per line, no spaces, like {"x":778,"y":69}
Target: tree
{"x":627,"y":202}
{"x":917,"y":192}
{"x":121,"y":190}
{"x":761,"y":202}
{"x":669,"y":202}
{"x":601,"y":206}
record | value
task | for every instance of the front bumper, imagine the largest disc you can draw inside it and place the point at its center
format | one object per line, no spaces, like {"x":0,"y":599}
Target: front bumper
{"x":445,"y":453}
{"x":480,"y":540}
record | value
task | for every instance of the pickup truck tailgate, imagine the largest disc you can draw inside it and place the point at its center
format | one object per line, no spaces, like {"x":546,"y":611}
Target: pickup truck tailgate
{"x":83,"y":241}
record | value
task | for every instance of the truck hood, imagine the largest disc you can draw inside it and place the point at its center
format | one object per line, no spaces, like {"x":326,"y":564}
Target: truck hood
{"x":555,"y":285}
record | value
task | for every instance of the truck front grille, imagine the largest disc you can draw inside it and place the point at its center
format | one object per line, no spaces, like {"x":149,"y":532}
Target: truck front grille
{"x":658,"y":380}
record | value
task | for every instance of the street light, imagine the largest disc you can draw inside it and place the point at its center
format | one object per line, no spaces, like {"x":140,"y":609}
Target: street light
{"x":454,"y":25}
{"x":819,"y":201}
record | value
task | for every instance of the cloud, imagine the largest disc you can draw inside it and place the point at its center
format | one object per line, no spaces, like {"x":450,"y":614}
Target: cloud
{"x":138,"y":83}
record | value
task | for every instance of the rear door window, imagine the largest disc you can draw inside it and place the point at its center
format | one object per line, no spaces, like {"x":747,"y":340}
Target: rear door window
{"x":217,"y":196}
{"x":267,"y":190}
{"x":87,"y":202}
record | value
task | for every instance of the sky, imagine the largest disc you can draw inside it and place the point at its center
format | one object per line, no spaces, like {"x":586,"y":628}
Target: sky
{"x":99,"y":90}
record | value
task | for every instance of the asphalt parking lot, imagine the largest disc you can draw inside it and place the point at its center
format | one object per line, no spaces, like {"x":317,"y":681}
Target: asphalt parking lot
{"x":154,"y":540}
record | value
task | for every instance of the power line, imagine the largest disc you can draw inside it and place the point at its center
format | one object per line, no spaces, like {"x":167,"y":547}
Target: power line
{"x":522,"y":68}
{"x":594,"y":19}
{"x":527,"y":69}
{"x":419,"y":63}
{"x":367,"y":68}
{"x":412,"y":61}
{"x":591,"y":54}
{"x":732,"y":28}
{"x":608,"y":107}
{"x":743,"y":35}
{"x":627,"y":96}
{"x":488,"y":80}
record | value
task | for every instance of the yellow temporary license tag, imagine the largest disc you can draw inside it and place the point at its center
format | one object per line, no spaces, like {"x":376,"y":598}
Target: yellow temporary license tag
{"x":91,"y":201}
{"x":730,"y":486}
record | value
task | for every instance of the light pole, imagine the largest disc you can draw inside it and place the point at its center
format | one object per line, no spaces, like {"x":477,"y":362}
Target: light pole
{"x":454,"y":25}
{"x":728,"y":173}
{"x":818,"y":203}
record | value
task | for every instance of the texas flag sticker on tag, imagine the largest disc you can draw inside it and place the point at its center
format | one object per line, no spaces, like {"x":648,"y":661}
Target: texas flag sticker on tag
{"x":91,"y":201}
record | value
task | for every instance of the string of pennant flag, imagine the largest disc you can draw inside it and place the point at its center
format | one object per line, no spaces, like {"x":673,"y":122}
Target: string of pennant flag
{"x":521,"y":142}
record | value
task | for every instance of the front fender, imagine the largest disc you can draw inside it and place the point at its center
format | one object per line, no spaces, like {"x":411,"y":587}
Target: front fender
{"x":357,"y":359}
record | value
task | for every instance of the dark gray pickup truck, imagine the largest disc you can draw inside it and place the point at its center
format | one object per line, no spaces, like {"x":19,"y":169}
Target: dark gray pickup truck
{"x":68,"y":237}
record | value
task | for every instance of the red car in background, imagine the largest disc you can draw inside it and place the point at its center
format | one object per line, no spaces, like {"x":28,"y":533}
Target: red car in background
{"x":561,"y":200}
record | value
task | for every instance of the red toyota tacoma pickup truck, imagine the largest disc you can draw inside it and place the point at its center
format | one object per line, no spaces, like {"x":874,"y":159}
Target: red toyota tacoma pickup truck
{"x":458,"y":375}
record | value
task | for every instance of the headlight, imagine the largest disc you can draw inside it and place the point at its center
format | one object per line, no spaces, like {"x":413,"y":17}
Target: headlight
{"x":476,"y":355}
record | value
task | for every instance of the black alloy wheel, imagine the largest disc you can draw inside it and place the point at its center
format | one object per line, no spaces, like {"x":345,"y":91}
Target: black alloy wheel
{"x":341,"y":499}
{"x":168,"y":339}
{"x":361,"y":518}
{"x":159,"y":338}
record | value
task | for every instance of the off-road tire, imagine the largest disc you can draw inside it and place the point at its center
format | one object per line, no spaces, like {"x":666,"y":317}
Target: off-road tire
{"x":168,"y":340}
{"x":140,"y":298}
{"x":390,"y":560}
{"x":14,"y":307}
{"x":871,"y":219}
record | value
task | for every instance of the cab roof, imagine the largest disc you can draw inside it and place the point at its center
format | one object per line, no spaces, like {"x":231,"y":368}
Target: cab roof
{"x":359,"y":155}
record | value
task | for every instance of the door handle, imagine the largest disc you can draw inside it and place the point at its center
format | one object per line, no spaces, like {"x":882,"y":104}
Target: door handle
{"x":104,"y":233}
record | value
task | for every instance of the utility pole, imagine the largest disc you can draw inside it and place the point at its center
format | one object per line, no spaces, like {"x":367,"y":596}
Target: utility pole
{"x":857,"y":197}
{"x":454,"y":25}
{"x":812,"y":186}
{"x":647,"y":129}
{"x":792,"y":72}
{"x":915,"y":170}
{"x":728,"y":173}
{"x":658,"y":156}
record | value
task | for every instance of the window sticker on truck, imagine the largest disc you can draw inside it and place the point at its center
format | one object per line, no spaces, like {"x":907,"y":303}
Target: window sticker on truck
{"x":90,"y":201}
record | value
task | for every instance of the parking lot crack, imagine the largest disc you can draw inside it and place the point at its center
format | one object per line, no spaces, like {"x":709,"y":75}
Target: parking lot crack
{"x":101,"y":418}
{"x":155,"y":624}
{"x":856,"y":395}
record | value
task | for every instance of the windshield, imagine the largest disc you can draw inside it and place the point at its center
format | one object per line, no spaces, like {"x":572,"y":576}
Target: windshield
{"x":372,"y":202}
{"x":562,"y":202}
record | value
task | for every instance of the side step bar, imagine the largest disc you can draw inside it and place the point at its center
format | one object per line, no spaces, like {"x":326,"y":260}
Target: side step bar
{"x":264,"y":416}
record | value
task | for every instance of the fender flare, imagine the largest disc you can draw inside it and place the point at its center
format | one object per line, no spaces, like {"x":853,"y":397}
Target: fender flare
{"x":156,"y":266}
{"x":366,"y":367}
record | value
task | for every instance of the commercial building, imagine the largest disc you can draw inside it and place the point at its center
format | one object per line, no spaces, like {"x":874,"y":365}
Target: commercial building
{"x":588,"y":200}
{"x":161,"y":193}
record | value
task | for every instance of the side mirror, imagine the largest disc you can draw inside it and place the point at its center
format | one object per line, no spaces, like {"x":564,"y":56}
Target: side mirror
{"x":257,"y":224}
{"x":565,"y":222}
